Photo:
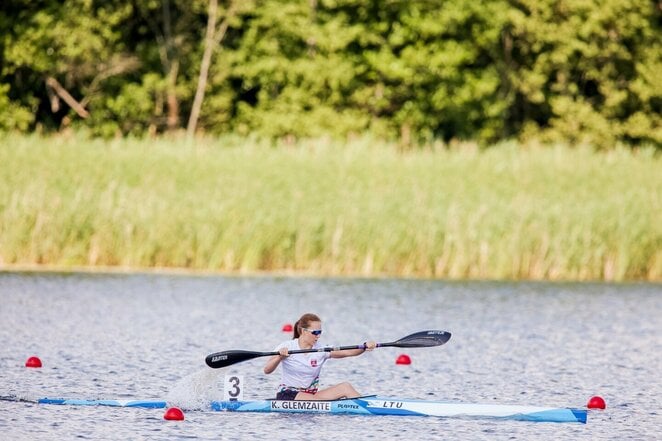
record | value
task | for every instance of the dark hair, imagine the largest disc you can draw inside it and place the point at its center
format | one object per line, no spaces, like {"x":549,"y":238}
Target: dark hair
{"x":304,"y":322}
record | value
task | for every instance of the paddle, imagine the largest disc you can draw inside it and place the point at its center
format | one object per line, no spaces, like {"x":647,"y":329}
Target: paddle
{"x":423,"y":339}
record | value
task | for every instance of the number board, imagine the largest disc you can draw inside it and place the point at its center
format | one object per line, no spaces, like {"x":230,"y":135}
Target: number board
{"x":233,"y":388}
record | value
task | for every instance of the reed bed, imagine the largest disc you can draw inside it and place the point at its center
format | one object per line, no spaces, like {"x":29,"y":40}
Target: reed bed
{"x":324,"y":208}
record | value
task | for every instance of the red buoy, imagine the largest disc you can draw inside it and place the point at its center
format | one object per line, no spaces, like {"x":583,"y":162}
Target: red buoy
{"x":33,"y":362}
{"x":287,"y":327}
{"x":403,"y":359}
{"x":596,"y":403}
{"x":173,"y":414}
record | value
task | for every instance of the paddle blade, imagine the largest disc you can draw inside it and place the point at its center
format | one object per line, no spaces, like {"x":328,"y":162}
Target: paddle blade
{"x":227,"y":358}
{"x":422,"y":339}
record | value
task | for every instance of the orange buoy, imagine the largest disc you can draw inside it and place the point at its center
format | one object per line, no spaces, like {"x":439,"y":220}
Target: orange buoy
{"x":403,"y":359}
{"x":33,"y":362}
{"x":174,"y":414}
{"x":596,"y":403}
{"x":287,"y":327}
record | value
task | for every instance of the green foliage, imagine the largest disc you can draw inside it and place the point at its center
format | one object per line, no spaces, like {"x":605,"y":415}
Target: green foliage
{"x":13,"y":116}
{"x":579,"y":71}
{"x":76,"y":42}
{"x":583,"y":71}
{"x":132,"y":111}
{"x":348,"y":66}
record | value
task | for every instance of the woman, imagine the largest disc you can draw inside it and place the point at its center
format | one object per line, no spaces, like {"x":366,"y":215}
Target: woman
{"x":301,"y":372}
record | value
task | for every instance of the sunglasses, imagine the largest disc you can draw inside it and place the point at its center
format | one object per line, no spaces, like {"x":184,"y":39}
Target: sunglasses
{"x":314,"y":331}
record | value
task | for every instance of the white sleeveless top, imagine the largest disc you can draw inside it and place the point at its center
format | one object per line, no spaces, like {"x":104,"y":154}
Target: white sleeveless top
{"x":301,"y":371}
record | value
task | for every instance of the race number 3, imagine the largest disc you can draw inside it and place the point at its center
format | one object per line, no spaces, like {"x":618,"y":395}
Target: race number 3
{"x":233,"y":389}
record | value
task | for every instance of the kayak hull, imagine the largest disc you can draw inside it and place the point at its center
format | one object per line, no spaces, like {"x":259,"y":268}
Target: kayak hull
{"x":392,"y":406}
{"x":370,"y":405}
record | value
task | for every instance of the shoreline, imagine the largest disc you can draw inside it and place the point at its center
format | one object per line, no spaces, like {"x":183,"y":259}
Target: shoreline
{"x":289,"y":274}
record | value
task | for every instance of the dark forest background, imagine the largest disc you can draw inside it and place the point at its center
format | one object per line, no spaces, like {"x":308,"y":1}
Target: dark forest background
{"x":573,"y":71}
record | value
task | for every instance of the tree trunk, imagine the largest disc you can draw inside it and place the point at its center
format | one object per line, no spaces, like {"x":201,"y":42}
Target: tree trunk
{"x":172,"y":70}
{"x":212,"y":39}
{"x":55,"y":85}
{"x":204,"y":69}
{"x":171,"y":97}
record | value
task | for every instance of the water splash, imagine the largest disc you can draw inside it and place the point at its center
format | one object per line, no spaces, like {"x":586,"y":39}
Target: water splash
{"x":27,"y":385}
{"x":197,"y":390}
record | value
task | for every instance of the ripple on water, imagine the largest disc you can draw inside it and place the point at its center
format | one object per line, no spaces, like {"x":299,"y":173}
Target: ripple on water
{"x":146,"y":336}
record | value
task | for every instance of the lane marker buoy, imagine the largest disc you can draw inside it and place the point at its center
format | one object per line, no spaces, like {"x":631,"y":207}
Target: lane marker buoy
{"x":173,"y":414}
{"x":596,"y":403}
{"x":287,"y":327}
{"x":33,"y":362}
{"x":403,"y":359}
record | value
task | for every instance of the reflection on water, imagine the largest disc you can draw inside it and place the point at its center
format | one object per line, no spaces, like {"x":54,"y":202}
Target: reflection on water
{"x":146,"y":336}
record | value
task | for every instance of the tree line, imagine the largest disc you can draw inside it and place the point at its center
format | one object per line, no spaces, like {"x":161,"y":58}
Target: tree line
{"x":574,"y":71}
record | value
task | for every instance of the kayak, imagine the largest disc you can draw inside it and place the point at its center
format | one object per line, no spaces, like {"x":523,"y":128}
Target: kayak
{"x":367,"y":405}
{"x":374,"y":405}
{"x":148,"y":404}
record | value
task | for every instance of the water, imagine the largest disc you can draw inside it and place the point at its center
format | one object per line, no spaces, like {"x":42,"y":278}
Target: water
{"x":146,"y":336}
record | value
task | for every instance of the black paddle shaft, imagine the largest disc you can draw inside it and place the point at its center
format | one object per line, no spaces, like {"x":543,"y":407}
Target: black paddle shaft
{"x":423,"y":339}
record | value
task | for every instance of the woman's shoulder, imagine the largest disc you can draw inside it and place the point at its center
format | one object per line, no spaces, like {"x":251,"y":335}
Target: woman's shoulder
{"x":319,"y":345}
{"x":289,"y":344}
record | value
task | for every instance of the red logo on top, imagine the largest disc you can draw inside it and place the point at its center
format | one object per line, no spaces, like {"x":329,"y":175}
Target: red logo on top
{"x":313,"y":363}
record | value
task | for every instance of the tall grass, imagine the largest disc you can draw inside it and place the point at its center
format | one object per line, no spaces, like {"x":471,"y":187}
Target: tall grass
{"x":362,"y":208}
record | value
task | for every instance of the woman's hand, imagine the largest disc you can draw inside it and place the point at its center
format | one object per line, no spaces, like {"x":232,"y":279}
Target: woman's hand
{"x":370,"y":345}
{"x":274,"y":361}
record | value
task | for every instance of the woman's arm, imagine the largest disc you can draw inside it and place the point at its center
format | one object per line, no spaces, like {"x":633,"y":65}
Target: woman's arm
{"x":274,"y":361}
{"x":369,"y":346}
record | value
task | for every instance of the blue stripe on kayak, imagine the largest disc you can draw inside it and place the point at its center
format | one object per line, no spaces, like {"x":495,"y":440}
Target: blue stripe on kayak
{"x":554,"y":415}
{"x":149,"y":404}
{"x":51,"y":400}
{"x":580,"y":414}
